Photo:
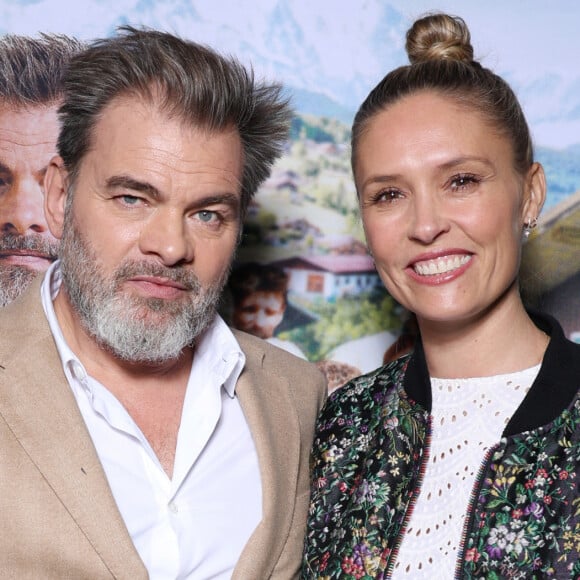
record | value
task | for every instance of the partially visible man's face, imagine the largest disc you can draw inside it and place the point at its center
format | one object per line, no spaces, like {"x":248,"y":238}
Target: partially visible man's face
{"x":149,"y":239}
{"x":27,"y":143}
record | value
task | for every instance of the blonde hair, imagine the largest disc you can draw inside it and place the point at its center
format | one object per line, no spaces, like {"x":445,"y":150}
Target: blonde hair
{"x":441,"y":60}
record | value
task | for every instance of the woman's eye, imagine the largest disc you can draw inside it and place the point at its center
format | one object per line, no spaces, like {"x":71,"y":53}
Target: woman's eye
{"x":464,"y":180}
{"x":387,"y":195}
{"x":384,"y":197}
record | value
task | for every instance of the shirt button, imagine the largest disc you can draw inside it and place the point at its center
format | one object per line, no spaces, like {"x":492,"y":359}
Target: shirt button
{"x":77,"y":371}
{"x":173,"y":508}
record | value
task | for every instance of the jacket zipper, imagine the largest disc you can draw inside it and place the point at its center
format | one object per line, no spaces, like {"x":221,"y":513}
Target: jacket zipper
{"x":471,"y":508}
{"x":412,"y":502}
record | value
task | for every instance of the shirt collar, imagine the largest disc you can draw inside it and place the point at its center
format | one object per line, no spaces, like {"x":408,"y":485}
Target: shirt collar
{"x":72,"y":366}
{"x":217,"y":350}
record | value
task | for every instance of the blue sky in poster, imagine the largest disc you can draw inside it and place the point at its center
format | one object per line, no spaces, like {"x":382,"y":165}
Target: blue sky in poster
{"x":338,"y":49}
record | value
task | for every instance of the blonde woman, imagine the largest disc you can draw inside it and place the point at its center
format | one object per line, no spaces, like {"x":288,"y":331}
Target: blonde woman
{"x":460,"y":459}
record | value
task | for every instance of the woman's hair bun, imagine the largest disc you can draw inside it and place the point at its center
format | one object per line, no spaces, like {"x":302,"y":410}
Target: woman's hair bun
{"x":439,"y":36}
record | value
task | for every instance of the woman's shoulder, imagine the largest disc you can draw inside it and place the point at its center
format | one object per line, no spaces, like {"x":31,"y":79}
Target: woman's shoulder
{"x":364,"y":398}
{"x":368,"y":384}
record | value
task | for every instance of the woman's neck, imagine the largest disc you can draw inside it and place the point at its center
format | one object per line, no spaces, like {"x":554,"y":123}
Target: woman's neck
{"x":500,"y":341}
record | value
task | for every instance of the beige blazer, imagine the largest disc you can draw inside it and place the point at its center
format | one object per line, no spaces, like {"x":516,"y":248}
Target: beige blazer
{"x":59,"y":518}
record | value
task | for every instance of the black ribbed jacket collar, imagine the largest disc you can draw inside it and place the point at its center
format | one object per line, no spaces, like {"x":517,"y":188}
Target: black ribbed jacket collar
{"x":553,"y":391}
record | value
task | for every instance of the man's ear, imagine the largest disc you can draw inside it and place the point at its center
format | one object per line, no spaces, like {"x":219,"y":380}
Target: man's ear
{"x":55,"y":193}
{"x":535,"y":193}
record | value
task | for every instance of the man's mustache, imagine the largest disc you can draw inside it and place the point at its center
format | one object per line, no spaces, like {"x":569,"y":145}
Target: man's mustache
{"x":180,"y":275}
{"x":29,"y":243}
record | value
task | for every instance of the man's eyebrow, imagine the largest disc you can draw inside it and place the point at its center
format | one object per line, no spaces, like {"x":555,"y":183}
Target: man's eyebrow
{"x":126,"y":182}
{"x":129,"y":183}
{"x":221,"y":198}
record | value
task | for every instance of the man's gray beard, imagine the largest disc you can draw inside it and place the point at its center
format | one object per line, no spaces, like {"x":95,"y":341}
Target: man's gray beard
{"x":133,"y":328}
{"x":14,"y":280}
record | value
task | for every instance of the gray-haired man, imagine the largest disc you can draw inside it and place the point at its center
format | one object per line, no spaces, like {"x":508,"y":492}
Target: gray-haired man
{"x":140,"y":435}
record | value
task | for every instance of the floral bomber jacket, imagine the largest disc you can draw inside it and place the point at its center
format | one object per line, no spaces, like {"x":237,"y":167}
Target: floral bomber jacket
{"x":369,"y":454}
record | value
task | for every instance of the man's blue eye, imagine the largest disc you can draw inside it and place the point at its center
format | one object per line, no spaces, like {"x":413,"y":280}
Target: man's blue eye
{"x":130,"y":199}
{"x":206,"y":216}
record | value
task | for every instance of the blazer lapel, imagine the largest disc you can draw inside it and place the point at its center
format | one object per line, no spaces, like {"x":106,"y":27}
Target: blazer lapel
{"x":40,"y":409}
{"x":273,"y":421}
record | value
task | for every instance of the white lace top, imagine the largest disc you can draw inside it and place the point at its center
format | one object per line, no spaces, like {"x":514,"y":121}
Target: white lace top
{"x":468,"y":416}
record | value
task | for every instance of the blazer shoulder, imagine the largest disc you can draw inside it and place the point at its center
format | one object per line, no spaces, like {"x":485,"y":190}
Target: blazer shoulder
{"x":22,"y":322}
{"x":303,"y":377}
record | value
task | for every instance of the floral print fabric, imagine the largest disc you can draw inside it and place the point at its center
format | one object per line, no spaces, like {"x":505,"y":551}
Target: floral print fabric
{"x":371,"y":444}
{"x":526,"y":517}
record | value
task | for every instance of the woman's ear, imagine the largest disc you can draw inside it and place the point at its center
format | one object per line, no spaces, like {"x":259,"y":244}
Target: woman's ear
{"x":535,"y":193}
{"x":55,"y":193}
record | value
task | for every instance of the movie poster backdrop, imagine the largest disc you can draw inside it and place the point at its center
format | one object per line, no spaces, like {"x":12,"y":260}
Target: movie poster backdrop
{"x":303,"y":278}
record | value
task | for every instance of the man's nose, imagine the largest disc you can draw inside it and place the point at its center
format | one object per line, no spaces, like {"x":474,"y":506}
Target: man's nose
{"x":166,"y":236}
{"x":22,"y":209}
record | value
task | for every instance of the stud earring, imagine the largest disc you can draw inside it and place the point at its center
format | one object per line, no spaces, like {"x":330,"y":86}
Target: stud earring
{"x":529,"y":226}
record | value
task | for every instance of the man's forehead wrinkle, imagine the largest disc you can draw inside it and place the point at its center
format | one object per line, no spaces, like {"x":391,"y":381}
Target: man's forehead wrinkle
{"x":186,"y":166}
{"x":10,"y":137}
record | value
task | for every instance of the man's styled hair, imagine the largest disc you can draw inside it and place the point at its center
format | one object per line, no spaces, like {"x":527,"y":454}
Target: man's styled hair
{"x":186,"y":80}
{"x":31,"y":69}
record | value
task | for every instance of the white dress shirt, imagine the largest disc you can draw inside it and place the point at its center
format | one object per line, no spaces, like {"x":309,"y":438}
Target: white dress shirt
{"x":195,"y":524}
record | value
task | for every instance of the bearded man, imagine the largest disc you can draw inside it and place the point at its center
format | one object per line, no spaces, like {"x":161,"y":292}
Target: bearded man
{"x":139,"y":436}
{"x":31,"y":72}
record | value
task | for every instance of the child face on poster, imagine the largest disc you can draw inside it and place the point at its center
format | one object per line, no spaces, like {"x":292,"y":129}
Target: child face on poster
{"x":259,"y":298}
{"x":260,"y":313}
